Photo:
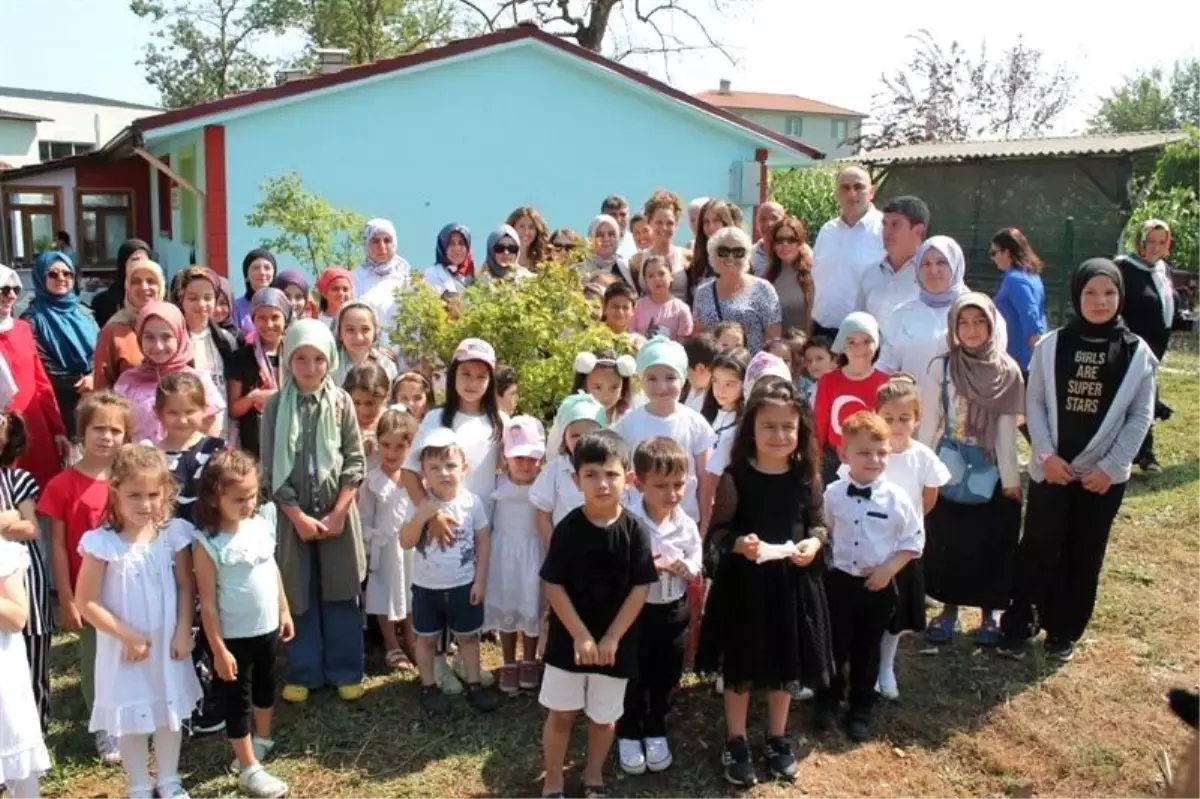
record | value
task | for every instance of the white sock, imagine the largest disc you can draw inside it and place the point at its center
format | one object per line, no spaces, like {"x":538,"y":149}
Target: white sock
{"x":24,"y":789}
{"x":166,"y":752}
{"x":887,"y":652}
{"x":135,"y":757}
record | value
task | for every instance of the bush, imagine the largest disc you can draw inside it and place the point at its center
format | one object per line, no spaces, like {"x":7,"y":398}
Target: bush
{"x":1172,"y":194}
{"x":537,"y":325}
{"x":808,"y":193}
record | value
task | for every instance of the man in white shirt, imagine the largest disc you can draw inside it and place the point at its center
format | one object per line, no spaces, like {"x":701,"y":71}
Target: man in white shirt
{"x":765,"y":218}
{"x":893,"y":281}
{"x":617,"y":207}
{"x":846,"y":246}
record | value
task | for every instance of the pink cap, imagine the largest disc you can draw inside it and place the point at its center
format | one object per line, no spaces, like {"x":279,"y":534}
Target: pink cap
{"x":524,"y":437}
{"x":475,"y":349}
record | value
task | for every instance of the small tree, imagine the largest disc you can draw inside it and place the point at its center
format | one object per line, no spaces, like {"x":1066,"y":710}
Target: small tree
{"x":808,"y":193}
{"x":1172,"y":194}
{"x":310,"y":229}
{"x":537,"y":325}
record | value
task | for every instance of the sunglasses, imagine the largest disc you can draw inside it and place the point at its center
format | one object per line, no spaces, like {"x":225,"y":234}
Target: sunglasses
{"x":13,"y":290}
{"x":511,"y":249}
{"x":563,"y":246}
{"x":731,"y":252}
{"x":58,"y":274}
{"x":786,"y":240}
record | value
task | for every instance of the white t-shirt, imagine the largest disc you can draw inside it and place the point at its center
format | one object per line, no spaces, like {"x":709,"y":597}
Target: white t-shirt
{"x":554,"y":490}
{"x":725,"y":427}
{"x":439,"y":567}
{"x":686,"y":427}
{"x":695,"y":400}
{"x":912,"y":470}
{"x":474,"y":433}
{"x":380,"y":294}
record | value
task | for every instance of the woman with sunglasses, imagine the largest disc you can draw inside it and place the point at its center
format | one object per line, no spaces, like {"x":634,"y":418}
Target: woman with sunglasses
{"x":27,"y":389}
{"x":789,"y":269}
{"x":564,"y":243}
{"x":64,"y":330}
{"x":735,"y":295}
{"x":503,"y":248}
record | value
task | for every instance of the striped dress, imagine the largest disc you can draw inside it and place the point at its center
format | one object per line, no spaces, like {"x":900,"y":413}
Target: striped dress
{"x":16,"y":486}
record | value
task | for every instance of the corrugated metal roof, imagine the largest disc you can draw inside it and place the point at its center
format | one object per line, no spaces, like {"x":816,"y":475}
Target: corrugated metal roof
{"x":764,"y":101}
{"x":1041,"y":147}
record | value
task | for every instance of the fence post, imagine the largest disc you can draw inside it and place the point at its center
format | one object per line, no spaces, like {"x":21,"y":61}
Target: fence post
{"x":1068,"y":257}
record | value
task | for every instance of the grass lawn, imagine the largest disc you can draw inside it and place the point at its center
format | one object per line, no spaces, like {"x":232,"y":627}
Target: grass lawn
{"x":968,"y":723}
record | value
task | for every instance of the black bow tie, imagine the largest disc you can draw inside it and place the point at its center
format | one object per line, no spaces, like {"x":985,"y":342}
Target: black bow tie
{"x":854,"y":491}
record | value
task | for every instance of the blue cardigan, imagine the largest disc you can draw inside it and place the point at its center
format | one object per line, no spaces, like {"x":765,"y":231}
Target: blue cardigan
{"x":1021,"y":300}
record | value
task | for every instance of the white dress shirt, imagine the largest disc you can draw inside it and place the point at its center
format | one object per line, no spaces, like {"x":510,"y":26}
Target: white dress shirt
{"x":676,"y":539}
{"x":867,"y":532}
{"x":627,"y":248}
{"x":841,"y":254}
{"x":883,"y":289}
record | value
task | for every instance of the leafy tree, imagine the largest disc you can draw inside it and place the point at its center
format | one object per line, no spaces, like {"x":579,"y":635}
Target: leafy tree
{"x":374,"y":29}
{"x":948,"y":94}
{"x":1152,"y":101}
{"x":311,"y":230}
{"x":808,"y":193}
{"x":1173,"y":195}
{"x":202,"y":49}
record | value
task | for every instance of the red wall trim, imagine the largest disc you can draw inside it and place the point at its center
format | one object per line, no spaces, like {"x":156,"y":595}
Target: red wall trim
{"x":216,"y":233}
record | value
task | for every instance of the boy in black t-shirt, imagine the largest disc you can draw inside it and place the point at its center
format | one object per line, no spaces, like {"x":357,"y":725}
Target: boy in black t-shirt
{"x":597,"y":572}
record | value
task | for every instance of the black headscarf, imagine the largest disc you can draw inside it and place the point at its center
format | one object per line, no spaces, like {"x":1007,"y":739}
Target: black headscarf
{"x":251,"y":257}
{"x":112,"y":299}
{"x":1122,"y":341}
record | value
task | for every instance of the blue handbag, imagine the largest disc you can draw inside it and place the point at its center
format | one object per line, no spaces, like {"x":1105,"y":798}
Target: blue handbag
{"x":973,"y":476}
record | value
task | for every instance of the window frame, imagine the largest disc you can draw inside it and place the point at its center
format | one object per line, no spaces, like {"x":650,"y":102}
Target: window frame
{"x":81,"y":246}
{"x":23,"y":211}
{"x":796,"y":122}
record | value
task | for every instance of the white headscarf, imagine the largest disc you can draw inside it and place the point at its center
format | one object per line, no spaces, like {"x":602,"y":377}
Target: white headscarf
{"x":958,"y":270}
{"x":8,"y":385}
{"x":8,"y":277}
{"x":394,"y":265}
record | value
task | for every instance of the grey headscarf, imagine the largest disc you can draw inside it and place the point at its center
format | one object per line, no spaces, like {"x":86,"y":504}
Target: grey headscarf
{"x":493,"y":269}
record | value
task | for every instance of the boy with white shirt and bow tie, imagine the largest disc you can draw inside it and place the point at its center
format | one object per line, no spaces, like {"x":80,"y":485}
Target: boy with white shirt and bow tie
{"x":874,"y":531}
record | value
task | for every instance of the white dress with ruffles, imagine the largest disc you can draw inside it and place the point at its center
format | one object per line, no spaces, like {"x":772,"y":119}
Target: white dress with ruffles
{"x":513,"y":603}
{"x":22,"y":750}
{"x":383,"y":505}
{"x":139,"y":589}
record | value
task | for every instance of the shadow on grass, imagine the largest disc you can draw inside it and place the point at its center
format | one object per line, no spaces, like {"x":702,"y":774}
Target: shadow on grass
{"x":1172,"y":476}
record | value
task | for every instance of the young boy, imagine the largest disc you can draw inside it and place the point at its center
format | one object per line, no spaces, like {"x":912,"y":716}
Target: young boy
{"x":818,"y":359}
{"x":875,"y":531}
{"x":661,"y":468}
{"x":449,"y":576}
{"x":506,"y":389}
{"x":700,"y":353}
{"x":597,"y":573}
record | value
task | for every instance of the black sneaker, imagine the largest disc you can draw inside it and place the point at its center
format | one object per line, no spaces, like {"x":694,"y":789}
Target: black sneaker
{"x":1151,"y":466}
{"x":207,"y":719}
{"x":1013,"y":648}
{"x":480,"y":698}
{"x":433,"y":701}
{"x":858,"y":726}
{"x":1059,"y":649}
{"x":781,"y":762}
{"x":735,"y":758}
{"x":825,"y":714}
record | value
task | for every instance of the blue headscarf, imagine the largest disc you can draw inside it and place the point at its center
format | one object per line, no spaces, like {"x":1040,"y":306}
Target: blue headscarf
{"x":65,"y":331}
{"x":495,"y":237}
{"x":465,"y":272}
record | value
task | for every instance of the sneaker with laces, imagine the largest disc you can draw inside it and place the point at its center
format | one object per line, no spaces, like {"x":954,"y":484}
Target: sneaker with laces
{"x":658,"y":754}
{"x":434,"y":701}
{"x":781,"y":760}
{"x":735,"y":758}
{"x":207,"y":719}
{"x":447,"y":680}
{"x":886,"y":685}
{"x":107,"y":749}
{"x":529,"y":675}
{"x":510,"y":681}
{"x":262,"y":750}
{"x":631,"y":757}
{"x":801,"y":693}
{"x":256,"y":782}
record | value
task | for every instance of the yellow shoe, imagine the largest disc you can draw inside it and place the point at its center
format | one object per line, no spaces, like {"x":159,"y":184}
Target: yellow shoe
{"x":295,"y":694}
{"x":350,"y":693}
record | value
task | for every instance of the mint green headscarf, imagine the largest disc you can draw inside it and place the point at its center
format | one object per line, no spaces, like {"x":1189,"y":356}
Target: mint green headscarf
{"x":305,"y":333}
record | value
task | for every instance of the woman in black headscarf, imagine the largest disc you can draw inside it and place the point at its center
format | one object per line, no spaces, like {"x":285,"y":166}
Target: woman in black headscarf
{"x":258,"y":270}
{"x":112,"y":299}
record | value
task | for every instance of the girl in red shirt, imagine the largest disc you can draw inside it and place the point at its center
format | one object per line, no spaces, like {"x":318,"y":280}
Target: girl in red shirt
{"x":848,"y":389}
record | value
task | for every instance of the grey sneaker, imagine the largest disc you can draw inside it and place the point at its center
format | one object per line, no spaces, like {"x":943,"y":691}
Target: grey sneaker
{"x":258,"y":783}
{"x":107,"y":749}
{"x":262,"y":750}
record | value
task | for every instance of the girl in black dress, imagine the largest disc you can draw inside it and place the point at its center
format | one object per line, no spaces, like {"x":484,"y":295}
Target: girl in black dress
{"x":767,"y":621}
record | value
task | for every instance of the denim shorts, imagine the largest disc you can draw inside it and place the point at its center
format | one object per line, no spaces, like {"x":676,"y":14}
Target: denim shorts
{"x":435,"y":609}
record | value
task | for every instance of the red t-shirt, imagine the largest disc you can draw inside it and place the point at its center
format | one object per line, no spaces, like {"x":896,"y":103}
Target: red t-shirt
{"x":838,"y":398}
{"x":78,"y":501}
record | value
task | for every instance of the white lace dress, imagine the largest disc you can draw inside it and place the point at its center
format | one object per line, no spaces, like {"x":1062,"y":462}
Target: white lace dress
{"x":139,"y":589}
{"x":514,"y":590}
{"x":383,"y":505}
{"x":22,"y":750}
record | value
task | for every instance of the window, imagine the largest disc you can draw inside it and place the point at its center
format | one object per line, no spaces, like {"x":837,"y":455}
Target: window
{"x":794,"y":127}
{"x":188,"y":210}
{"x":50,"y":150}
{"x":838,"y":130}
{"x":105,"y":220}
{"x":31,"y":216}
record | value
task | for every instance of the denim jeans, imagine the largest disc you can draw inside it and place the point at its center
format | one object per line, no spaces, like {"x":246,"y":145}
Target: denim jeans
{"x":328,"y":647}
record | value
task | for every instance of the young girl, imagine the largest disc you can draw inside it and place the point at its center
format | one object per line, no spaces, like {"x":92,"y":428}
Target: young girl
{"x":555,"y":494}
{"x":74,"y":502}
{"x":244,"y":609}
{"x":617,"y":312}
{"x":135,"y":588}
{"x":513,"y":603}
{"x":24,"y":757}
{"x":506,"y":390}
{"x":367,"y":386}
{"x":18,"y":524}
{"x":847,"y":389}
{"x":472,"y":413}
{"x":917,"y":470}
{"x":1082,"y":457}
{"x":816,"y":360}
{"x":313,"y":462}
{"x":167,"y":349}
{"x":356,"y":330}
{"x":640,"y":229}
{"x":414,"y":391}
{"x":335,"y":288}
{"x":766,"y":623}
{"x":383,"y":503}
{"x":294,"y":284}
{"x":254,"y":373}
{"x":701,"y":350}
{"x":659,"y":310}
{"x":730,"y":335}
{"x":722,"y":409}
{"x":212,"y":345}
{"x":662,"y":365}
{"x":607,"y":377}
{"x":972,"y":397}
{"x":179,"y":404}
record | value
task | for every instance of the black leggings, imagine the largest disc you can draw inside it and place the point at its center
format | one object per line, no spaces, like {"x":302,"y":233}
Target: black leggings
{"x":255,"y":683}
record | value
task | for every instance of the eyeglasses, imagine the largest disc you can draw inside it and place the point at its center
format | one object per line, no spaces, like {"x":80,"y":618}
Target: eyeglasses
{"x":58,"y":274}
{"x":786,"y":240}
{"x":511,"y":249}
{"x":731,"y":252}
{"x":563,"y":246}
{"x":13,"y":290}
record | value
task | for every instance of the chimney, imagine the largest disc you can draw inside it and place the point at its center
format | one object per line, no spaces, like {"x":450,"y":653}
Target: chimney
{"x":724,"y":86}
{"x":289,"y":75}
{"x":331,"y":60}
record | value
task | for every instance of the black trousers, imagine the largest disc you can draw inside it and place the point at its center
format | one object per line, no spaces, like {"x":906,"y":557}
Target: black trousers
{"x":858,"y":619}
{"x":37,"y":649}
{"x":662,"y":633}
{"x":255,"y":683}
{"x":1059,"y":560}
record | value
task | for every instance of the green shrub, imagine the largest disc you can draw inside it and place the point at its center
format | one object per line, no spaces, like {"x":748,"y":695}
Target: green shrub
{"x":808,"y":193}
{"x":537,"y":326}
{"x":1179,"y":208}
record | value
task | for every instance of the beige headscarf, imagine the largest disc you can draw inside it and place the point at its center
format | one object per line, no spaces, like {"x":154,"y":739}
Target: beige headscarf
{"x":986,"y":377}
{"x":128,"y":313}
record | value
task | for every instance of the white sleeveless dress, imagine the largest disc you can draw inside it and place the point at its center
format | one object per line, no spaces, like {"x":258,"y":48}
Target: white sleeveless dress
{"x":23,"y":753}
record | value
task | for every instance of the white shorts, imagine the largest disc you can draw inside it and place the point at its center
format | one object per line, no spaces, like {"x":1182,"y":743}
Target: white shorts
{"x":601,"y":697}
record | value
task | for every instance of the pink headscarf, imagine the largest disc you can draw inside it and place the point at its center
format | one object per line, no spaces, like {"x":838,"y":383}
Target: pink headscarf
{"x":331,"y":274}
{"x":147,"y":372}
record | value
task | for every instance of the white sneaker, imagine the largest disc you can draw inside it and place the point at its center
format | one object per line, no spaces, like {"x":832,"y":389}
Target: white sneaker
{"x":801,"y":693}
{"x":172,"y":789}
{"x":886,"y":685}
{"x":446,"y":678}
{"x":631,"y":756}
{"x":256,"y":782}
{"x":262,"y":749}
{"x":658,"y":754}
{"x":486,"y":678}
{"x":719,"y":685}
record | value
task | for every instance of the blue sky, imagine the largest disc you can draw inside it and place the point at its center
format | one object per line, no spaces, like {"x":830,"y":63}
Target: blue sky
{"x":793,"y":46}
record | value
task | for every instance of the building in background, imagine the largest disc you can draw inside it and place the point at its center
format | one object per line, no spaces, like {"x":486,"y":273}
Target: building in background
{"x":831,"y":129}
{"x":37,"y":126}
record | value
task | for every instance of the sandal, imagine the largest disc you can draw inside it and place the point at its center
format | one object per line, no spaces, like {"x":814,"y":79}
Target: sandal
{"x":397,"y":660}
{"x":940,"y":629}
